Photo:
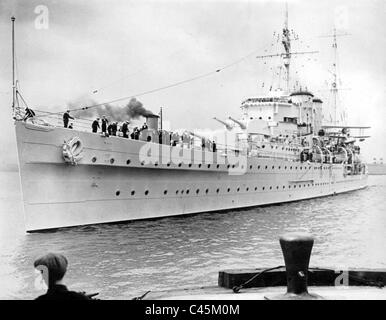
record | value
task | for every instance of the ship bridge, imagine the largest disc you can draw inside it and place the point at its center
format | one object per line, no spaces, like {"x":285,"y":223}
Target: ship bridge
{"x":283,"y":112}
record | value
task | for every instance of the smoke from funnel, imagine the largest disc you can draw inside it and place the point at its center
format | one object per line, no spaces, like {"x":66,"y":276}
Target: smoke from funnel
{"x":136,"y":109}
{"x":133,"y":110}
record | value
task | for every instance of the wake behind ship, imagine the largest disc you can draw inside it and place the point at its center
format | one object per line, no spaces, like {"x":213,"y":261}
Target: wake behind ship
{"x":281,"y":152}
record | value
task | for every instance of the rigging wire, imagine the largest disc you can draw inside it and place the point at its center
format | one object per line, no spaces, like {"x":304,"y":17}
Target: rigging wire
{"x":127,"y":76}
{"x":201,"y":76}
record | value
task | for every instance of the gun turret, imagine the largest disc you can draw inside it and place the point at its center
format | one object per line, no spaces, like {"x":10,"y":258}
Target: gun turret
{"x":242,"y":125}
{"x":227,"y":126}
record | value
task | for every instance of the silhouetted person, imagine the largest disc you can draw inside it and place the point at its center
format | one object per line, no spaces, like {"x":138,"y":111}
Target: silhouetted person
{"x":66,"y":118}
{"x":114,"y":128}
{"x":214,"y":146}
{"x":95,"y":125}
{"x":110,"y":129}
{"x":124,"y":129}
{"x":104,"y":124}
{"x":53,"y":268}
{"x":29,"y":113}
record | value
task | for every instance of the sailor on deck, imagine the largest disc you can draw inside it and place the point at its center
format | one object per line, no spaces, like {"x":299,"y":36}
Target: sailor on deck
{"x":95,"y":125}
{"x":66,"y":118}
{"x":125,"y":129}
{"x":29,"y":113}
{"x":104,"y":124}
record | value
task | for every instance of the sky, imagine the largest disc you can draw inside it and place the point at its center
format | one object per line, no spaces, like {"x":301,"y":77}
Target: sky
{"x":68,"y":49}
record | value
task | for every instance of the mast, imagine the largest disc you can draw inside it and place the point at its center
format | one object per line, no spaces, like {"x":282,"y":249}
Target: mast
{"x":334,"y":88}
{"x":13,"y":66}
{"x":286,"y":41}
{"x":287,"y":54}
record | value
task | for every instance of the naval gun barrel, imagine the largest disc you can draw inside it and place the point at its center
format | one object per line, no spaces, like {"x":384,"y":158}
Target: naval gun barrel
{"x":242,"y":125}
{"x":227,"y":126}
{"x":197,"y":135}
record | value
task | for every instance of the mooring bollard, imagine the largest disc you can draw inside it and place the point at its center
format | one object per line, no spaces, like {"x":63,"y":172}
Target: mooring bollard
{"x":296,"y":249}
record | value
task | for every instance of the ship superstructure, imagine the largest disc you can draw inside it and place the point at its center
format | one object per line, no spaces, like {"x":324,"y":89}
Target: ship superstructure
{"x":281,"y":152}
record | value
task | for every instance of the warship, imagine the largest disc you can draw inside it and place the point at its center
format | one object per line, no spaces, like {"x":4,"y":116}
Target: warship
{"x":282,"y":151}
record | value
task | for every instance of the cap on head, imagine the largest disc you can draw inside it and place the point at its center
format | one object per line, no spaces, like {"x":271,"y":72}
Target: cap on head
{"x":56,"y":266}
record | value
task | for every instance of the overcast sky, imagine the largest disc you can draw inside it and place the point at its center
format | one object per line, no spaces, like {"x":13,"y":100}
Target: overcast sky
{"x":126,"y":47}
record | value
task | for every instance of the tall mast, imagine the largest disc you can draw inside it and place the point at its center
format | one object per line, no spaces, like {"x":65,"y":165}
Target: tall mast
{"x":334,"y":88}
{"x":286,"y":41}
{"x":13,"y":66}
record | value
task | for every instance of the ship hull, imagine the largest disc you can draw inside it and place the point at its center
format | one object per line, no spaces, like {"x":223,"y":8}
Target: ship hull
{"x":112,"y":183}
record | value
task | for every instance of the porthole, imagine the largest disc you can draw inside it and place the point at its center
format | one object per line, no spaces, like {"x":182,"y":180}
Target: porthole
{"x":273,"y":167}
{"x":285,"y":168}
{"x":229,"y":189}
{"x":146,"y":192}
{"x":218,"y":190}
{"x":258,"y":167}
{"x":283,"y":187}
{"x":199,"y":165}
{"x":190,"y":165}
{"x":277,"y":187}
{"x":198,"y":191}
{"x":250,"y":167}
{"x":207,"y":191}
{"x":208,"y":166}
{"x":270,"y":188}
{"x":238,"y":189}
{"x":233,"y":166}
{"x":279,"y":167}
{"x":165,"y":192}
{"x":228,"y":166}
{"x":176,"y":191}
{"x":187,"y":191}
{"x":128,"y":161}
{"x":180,"y":164}
{"x":247,"y":189}
{"x":266,"y":167}
{"x":168,"y":164}
{"x":93,"y":159}
{"x":218,"y":166}
{"x":182,"y":191}
{"x":263,"y":188}
{"x":117,"y":193}
{"x":142,"y":163}
{"x":132,"y":192}
{"x":255,"y":188}
{"x":156,"y":164}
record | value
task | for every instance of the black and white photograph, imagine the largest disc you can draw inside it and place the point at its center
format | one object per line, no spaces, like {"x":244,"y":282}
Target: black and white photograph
{"x":214,"y":150}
